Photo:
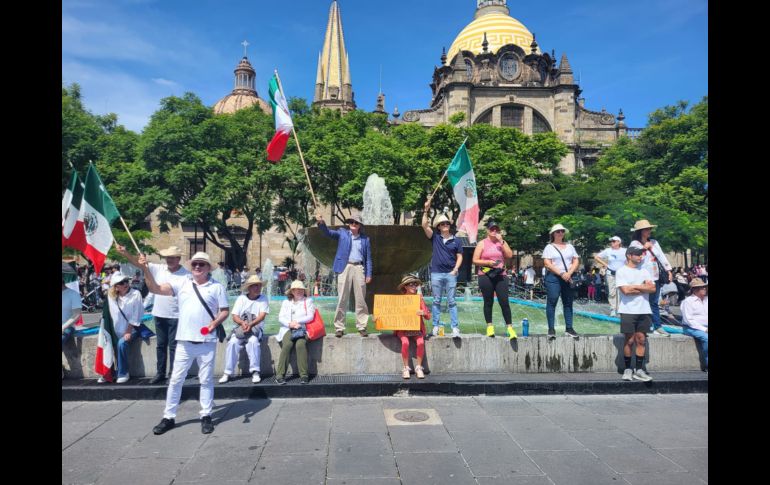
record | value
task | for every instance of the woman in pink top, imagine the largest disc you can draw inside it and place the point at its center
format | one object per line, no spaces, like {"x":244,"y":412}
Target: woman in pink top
{"x":489,"y":257}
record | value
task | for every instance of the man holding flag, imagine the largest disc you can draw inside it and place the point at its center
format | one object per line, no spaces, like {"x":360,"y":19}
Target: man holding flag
{"x":463,"y":182}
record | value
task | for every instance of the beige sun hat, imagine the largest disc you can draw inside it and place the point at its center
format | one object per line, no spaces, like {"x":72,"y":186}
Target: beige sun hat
{"x":557,"y":227}
{"x":440,"y":219}
{"x":354,"y":216}
{"x":296,"y":285}
{"x":410,"y":278}
{"x":171,"y":251}
{"x":253,"y":280}
{"x":642,"y":224}
{"x":201,"y":256}
{"x":697,"y":283}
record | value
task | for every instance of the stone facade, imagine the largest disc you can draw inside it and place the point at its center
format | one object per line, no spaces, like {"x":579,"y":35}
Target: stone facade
{"x":514,"y":84}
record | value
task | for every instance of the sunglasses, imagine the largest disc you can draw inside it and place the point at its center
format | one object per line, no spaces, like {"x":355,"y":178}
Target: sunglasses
{"x":444,"y":224}
{"x":198,"y":264}
{"x":122,"y":283}
{"x":560,"y":230}
{"x":354,"y":223}
{"x":413,"y":284}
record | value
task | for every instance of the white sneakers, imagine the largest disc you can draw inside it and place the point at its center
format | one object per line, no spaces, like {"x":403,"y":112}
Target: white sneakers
{"x":435,"y":331}
{"x":418,"y":371}
{"x":628,"y":375}
{"x":224,"y":378}
{"x":613,"y":313}
{"x":123,"y":379}
{"x":660,"y":331}
{"x":101,"y":380}
{"x":642,"y":375}
{"x":255,"y":377}
{"x":405,"y":373}
{"x":456,"y":332}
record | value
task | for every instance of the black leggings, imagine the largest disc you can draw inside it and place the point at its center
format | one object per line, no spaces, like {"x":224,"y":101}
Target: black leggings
{"x":499,"y":285}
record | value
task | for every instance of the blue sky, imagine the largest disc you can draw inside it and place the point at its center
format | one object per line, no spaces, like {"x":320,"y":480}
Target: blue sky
{"x":129,"y":54}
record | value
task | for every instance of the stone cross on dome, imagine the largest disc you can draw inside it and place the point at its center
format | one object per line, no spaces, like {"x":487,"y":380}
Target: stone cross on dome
{"x":244,"y":44}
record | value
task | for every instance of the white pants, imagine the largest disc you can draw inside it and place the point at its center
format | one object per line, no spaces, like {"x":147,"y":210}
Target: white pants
{"x":234,"y":350}
{"x":352,"y":275}
{"x":612,"y":289}
{"x":186,"y":353}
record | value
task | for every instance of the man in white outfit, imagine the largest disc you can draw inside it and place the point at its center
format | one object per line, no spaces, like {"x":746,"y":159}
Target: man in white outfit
{"x":613,"y":258}
{"x":195,"y":336}
{"x":249,"y":311}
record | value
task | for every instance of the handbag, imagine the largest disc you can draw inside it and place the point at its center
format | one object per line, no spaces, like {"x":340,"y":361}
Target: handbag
{"x":315,"y":328}
{"x":298,"y":333}
{"x":221,"y":335}
{"x":144,"y":332}
{"x":572,"y":283}
{"x":662,"y":271}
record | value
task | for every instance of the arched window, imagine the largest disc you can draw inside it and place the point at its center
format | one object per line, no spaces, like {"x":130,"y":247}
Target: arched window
{"x":486,"y":118}
{"x":539,"y":124}
{"x":512,"y":117}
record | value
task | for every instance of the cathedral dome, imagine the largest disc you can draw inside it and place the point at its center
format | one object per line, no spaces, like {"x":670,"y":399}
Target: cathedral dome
{"x":501,"y":29}
{"x":234,"y":102}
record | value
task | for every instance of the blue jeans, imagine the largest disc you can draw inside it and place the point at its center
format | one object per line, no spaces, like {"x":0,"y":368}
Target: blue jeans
{"x":123,"y":347}
{"x":556,"y":287}
{"x":699,"y":335}
{"x":165,"y":331}
{"x":654,"y":305}
{"x":67,"y":334}
{"x":441,"y":283}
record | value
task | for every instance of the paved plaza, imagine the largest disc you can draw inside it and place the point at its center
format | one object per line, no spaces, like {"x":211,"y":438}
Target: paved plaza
{"x":656,"y":439}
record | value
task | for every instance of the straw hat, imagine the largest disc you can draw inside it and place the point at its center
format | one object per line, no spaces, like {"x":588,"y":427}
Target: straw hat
{"x":557,"y":227}
{"x":253,"y":280}
{"x":642,"y":224}
{"x":171,"y":251}
{"x":440,"y":219}
{"x":697,"y":283}
{"x":295,"y":285}
{"x":410,"y":278}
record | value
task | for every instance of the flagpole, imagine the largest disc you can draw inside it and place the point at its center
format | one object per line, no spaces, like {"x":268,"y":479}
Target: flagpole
{"x":443,"y":176}
{"x":129,"y":235}
{"x":299,"y":149}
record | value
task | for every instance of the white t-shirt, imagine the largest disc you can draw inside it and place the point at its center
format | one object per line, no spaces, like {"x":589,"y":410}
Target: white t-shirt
{"x":568,"y":253}
{"x":192,"y":315}
{"x":633,"y":304}
{"x":166,"y":306}
{"x":615,"y":258}
{"x":529,"y":276}
{"x":243,"y":307}
{"x":70,"y":300}
{"x":132,"y":307}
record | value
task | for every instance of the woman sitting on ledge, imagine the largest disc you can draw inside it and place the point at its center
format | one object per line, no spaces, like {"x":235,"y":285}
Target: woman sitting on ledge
{"x":296,"y":311}
{"x":408,"y":286}
{"x":126,"y":310}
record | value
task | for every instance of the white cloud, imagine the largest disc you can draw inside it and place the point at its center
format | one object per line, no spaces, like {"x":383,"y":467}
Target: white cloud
{"x":100,"y":40}
{"x":165,"y":82}
{"x":133,"y":99}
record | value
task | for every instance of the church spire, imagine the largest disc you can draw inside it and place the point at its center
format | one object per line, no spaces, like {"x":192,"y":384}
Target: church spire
{"x":333,"y":86}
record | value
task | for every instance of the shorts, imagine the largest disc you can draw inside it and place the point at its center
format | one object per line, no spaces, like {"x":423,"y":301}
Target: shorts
{"x":635,"y":322}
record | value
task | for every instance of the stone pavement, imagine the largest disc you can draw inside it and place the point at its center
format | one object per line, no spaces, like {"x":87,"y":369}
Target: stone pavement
{"x":657,"y":439}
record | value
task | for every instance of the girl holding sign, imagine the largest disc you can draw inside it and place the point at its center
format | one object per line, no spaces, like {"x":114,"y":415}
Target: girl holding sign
{"x":408,"y":286}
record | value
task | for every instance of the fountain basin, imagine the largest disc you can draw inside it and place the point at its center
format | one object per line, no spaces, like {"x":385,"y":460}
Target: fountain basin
{"x":396,"y":250}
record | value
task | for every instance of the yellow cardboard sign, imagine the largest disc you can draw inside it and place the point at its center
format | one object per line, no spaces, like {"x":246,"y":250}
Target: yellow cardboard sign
{"x":396,"y":312}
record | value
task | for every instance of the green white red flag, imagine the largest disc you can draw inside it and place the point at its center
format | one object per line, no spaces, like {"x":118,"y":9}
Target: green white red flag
{"x":72,"y":233}
{"x":283,"y":123}
{"x":97,"y":213}
{"x":463,"y":180}
{"x":105,"y":346}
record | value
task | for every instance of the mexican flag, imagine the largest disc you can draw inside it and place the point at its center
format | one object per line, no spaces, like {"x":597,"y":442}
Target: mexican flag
{"x":97,"y":213}
{"x":72,"y":233}
{"x":460,"y":173}
{"x":106,"y":346}
{"x":283,"y":123}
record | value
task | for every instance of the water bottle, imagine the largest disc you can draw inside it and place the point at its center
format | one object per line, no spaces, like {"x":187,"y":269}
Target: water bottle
{"x":525,"y":327}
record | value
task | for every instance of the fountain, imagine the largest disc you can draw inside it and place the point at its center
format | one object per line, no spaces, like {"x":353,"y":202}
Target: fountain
{"x":267,"y":278}
{"x":396,"y":250}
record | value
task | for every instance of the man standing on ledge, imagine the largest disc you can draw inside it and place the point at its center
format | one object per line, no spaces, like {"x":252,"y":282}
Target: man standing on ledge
{"x":444,"y":265}
{"x":353,"y":265}
{"x":613,"y":258}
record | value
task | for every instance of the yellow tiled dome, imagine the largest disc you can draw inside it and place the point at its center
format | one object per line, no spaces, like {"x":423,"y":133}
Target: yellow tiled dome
{"x":501,"y":29}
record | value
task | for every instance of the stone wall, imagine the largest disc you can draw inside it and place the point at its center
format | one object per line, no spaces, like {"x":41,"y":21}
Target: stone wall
{"x":381,"y":355}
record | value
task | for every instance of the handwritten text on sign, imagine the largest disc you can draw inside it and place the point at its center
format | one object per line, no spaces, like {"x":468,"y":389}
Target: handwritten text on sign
{"x":396,"y":312}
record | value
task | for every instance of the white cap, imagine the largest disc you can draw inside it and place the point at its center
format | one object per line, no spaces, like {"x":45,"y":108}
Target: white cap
{"x":616,"y":238}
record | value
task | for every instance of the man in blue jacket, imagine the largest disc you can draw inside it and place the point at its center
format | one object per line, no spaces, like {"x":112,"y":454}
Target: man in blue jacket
{"x":353,"y":265}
